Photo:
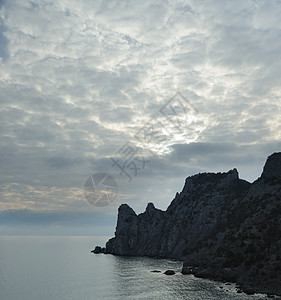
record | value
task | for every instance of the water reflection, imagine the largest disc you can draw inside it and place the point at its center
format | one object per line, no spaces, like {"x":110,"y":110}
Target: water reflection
{"x":133,"y":279}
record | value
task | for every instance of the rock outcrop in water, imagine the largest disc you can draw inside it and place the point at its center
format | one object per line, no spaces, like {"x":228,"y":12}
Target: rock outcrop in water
{"x":221,"y":226}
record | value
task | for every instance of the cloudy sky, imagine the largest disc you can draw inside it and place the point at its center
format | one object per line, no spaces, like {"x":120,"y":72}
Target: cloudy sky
{"x":148,"y":92}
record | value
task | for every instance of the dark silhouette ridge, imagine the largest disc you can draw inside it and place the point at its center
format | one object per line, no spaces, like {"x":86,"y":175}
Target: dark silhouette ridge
{"x":222,"y":227}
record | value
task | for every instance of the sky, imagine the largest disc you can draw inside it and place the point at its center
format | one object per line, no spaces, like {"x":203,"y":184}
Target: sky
{"x":140,"y":93}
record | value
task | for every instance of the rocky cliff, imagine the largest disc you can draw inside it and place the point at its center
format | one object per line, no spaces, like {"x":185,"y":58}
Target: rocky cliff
{"x":226,"y":227}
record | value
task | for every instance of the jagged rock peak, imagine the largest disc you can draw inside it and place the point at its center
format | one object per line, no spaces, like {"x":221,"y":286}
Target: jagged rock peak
{"x":232,"y":175}
{"x":223,"y":179}
{"x":150,"y":207}
{"x":272,"y":166}
{"x":234,"y":172}
{"x":126,"y":210}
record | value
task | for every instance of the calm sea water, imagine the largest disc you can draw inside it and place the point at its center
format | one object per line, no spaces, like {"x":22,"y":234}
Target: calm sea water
{"x":62,"y":268}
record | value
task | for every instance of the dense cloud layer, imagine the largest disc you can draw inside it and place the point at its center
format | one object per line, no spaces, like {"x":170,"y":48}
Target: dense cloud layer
{"x":78,"y":80}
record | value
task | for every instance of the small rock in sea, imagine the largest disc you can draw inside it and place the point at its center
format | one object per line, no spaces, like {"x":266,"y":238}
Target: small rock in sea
{"x":239,"y":291}
{"x":221,"y":287}
{"x":228,"y":283}
{"x":186,"y":270}
{"x":97,"y":250}
{"x":155,"y":271}
{"x":270,"y":296}
{"x":169,"y":272}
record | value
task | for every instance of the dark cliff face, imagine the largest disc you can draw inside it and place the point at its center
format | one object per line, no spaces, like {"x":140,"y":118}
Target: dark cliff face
{"x":196,"y":213}
{"x":134,"y":234}
{"x":272,"y":167}
{"x":229,"y":228}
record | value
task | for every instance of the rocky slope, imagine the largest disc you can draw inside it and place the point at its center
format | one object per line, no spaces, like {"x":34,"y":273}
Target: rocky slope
{"x":221,"y":226}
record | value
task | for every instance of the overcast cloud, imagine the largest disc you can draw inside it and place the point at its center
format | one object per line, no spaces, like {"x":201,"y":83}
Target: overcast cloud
{"x":78,"y":80}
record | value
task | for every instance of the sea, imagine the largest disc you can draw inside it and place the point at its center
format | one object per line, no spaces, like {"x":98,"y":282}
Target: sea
{"x":63,"y":268}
